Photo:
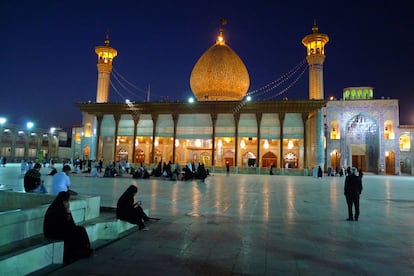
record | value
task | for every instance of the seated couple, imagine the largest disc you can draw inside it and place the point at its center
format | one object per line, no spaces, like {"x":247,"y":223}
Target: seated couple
{"x":131,"y":212}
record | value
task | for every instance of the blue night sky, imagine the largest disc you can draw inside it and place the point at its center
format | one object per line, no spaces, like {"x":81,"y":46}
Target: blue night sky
{"x":48,"y":61}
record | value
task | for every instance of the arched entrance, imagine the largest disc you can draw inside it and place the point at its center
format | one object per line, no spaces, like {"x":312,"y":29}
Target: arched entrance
{"x":363,"y":142}
{"x":205,"y":159}
{"x":139,"y":156}
{"x":122,"y":155}
{"x":269,"y":158}
{"x":86,"y":152}
{"x":335,"y":159}
{"x":229,"y":158}
{"x":249,"y":159}
{"x":405,"y":166}
{"x":290,"y":160}
{"x":390,"y":162}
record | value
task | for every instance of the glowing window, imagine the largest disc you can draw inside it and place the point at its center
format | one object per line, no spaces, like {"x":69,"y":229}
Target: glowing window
{"x":405,"y":142}
{"x":335,"y":130}
{"x":389,"y":133}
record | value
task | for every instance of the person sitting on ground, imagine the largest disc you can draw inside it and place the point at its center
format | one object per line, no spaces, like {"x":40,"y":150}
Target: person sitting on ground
{"x":129,"y":211}
{"x":53,"y":171}
{"x":59,"y":224}
{"x":33,"y":182}
{"x":61,"y":181}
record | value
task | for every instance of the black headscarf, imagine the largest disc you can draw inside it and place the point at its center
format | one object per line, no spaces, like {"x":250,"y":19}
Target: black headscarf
{"x":58,"y":222}
{"x":125,"y":205}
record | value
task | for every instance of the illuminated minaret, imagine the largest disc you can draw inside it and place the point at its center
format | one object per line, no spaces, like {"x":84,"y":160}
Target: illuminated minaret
{"x":105,"y":56}
{"x":315,"y":44}
{"x":315,"y":55}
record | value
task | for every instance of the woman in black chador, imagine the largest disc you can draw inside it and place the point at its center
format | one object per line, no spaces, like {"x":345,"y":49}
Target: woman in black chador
{"x":129,"y":211}
{"x":58,"y":224}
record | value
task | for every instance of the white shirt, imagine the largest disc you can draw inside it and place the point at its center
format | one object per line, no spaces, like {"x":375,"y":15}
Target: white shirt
{"x":60,"y":183}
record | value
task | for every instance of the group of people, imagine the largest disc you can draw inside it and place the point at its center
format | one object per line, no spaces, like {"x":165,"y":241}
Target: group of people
{"x":58,"y":221}
{"x":168,"y":171}
{"x":33,"y":182}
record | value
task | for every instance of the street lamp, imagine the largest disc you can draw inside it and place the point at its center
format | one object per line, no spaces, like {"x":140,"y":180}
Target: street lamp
{"x":50,"y":143}
{"x":29,"y":126}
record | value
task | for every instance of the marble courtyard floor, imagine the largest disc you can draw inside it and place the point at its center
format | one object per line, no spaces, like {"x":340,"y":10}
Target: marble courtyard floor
{"x":253,"y":225}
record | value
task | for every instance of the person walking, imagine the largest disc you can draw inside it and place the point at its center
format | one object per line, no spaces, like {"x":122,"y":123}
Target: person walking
{"x":352,"y":191}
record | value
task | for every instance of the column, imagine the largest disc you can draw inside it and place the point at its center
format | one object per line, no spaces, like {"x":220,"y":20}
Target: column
{"x":98,"y":146}
{"x":117,"y":118}
{"x":154,"y":128}
{"x":175,"y":120}
{"x":281,"y":120}
{"x":236,"y":138}
{"x":259,"y":122}
{"x":213,"y":149}
{"x":135,"y":117}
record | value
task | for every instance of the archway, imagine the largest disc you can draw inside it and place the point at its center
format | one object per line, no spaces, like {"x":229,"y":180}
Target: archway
{"x":139,"y":156}
{"x":229,"y":158}
{"x":363,"y":142}
{"x":86,"y":152}
{"x":290,"y":160}
{"x":390,"y":162}
{"x":269,"y":158}
{"x":249,"y":159}
{"x":335,"y":159}
{"x":122,"y":155}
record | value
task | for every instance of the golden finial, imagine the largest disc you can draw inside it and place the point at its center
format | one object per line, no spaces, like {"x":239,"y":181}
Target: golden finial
{"x":315,"y":28}
{"x":220,"y":39}
{"x":107,"y":37}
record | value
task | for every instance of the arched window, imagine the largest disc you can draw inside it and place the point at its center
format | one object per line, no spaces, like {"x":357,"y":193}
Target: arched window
{"x":389,"y":130}
{"x":335,"y":130}
{"x":405,"y":142}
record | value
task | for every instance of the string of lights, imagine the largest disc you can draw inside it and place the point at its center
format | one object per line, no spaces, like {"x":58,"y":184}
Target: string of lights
{"x":276,"y":83}
{"x":290,"y":85}
{"x":116,"y":77}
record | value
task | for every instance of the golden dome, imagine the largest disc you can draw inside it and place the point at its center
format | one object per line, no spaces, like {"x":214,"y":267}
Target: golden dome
{"x":219,"y":74}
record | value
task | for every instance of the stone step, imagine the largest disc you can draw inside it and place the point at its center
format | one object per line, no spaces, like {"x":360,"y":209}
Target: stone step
{"x":38,"y":253}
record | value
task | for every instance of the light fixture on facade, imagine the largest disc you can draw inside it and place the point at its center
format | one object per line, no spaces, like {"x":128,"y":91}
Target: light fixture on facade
{"x":156,"y":143}
{"x":219,"y":144}
{"x":266,"y":144}
{"x":198,"y":143}
{"x":177,"y":143}
{"x":242,"y":144}
{"x":290,"y":144}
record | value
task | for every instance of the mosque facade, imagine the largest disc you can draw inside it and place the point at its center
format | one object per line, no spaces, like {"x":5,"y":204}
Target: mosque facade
{"x":222,"y":127}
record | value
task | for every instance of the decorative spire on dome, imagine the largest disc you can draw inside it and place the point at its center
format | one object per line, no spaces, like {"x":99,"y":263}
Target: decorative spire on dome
{"x":219,"y":74}
{"x":106,"y":42}
{"x":220,"y":39}
{"x":315,"y":27}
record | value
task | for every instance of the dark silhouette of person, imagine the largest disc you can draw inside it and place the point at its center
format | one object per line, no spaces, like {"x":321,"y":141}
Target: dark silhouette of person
{"x":271,"y":168}
{"x":59,"y":224}
{"x":227,"y":167}
{"x":320,"y":173}
{"x":129,"y":211}
{"x":352,"y":191}
{"x":201,"y":172}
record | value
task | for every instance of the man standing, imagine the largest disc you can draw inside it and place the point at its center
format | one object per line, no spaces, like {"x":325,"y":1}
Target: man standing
{"x":352,"y":190}
{"x":32,"y":181}
{"x":61,"y":181}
